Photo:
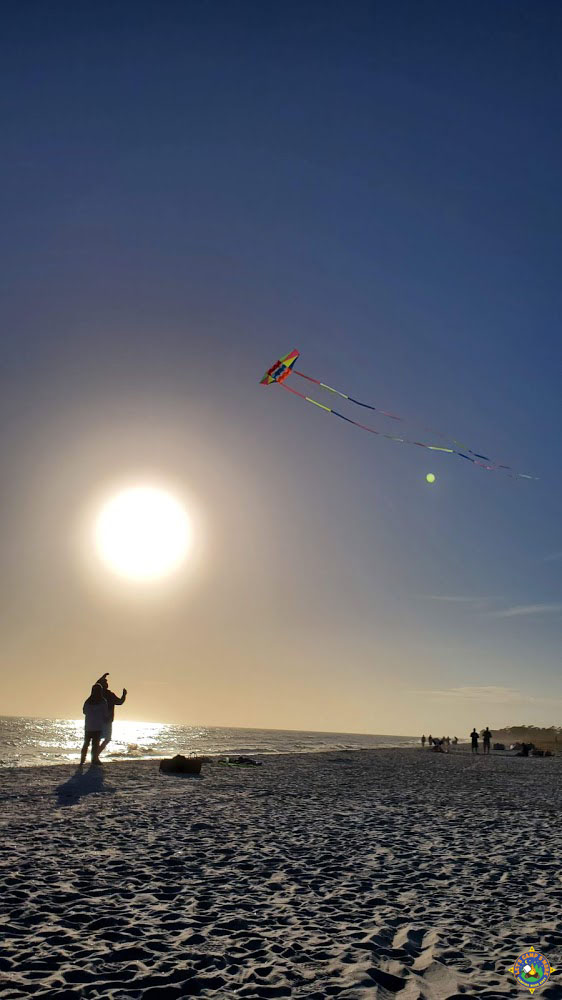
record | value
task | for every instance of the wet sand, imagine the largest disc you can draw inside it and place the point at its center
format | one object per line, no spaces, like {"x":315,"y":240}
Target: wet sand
{"x":356,"y":875}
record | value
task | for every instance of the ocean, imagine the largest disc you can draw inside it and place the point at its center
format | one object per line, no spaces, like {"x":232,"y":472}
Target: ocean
{"x":26,"y":742}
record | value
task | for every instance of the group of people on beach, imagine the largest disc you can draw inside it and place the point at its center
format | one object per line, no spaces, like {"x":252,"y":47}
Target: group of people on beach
{"x":99,"y":711}
{"x":445,"y":741}
{"x":434,"y":741}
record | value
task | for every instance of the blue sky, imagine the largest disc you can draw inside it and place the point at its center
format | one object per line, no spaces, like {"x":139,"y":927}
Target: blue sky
{"x":191,"y":190}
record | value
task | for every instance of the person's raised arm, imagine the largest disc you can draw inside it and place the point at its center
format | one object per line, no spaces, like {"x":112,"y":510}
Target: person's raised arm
{"x":119,"y":701}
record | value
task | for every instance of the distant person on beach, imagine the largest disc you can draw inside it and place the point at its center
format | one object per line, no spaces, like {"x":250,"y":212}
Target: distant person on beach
{"x":430,"y":739}
{"x":112,"y":700}
{"x":97,"y":714}
{"x":423,"y":740}
{"x":455,"y":741}
{"x":474,"y":738}
{"x":487,"y":736}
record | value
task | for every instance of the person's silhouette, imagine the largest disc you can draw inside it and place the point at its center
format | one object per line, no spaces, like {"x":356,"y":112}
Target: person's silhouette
{"x":96,"y":715}
{"x":112,"y":700}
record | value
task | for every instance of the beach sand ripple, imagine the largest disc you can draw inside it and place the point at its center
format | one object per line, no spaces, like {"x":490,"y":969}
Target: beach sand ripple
{"x":376,"y":874}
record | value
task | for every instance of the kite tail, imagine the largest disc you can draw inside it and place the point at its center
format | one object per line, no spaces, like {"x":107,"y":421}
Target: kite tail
{"x":467,"y":453}
{"x":344,"y":395}
{"x":392,"y":437}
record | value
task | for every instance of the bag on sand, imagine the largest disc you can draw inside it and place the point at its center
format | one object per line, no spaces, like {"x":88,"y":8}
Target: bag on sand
{"x":181,"y":765}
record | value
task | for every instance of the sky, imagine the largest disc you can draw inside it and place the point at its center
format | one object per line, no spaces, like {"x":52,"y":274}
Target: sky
{"x":189,"y":191}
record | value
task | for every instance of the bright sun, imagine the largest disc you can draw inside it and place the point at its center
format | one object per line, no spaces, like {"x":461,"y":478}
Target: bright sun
{"x":142,"y":533}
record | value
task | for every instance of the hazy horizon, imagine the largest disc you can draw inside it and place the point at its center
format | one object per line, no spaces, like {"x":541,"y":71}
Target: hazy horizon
{"x":191,"y":191}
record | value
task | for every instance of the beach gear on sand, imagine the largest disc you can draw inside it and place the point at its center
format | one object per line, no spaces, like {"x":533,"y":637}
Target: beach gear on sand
{"x":240,"y":762}
{"x":181,"y":765}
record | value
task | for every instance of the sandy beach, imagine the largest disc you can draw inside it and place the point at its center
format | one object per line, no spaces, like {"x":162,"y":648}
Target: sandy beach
{"x":357,"y":875}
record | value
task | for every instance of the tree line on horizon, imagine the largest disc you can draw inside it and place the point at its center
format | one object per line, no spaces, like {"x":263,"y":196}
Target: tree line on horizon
{"x":530,"y":734}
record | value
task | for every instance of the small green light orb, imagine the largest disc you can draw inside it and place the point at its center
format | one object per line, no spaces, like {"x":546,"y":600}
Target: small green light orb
{"x":430,"y":478}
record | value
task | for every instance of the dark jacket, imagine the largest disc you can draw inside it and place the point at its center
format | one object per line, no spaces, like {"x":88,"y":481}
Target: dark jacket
{"x":112,"y":700}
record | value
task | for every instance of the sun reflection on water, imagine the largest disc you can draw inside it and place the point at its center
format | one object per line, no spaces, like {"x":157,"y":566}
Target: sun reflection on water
{"x":62,"y":738}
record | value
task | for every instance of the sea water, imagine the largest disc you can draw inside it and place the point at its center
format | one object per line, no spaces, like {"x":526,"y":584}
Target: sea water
{"x":26,"y":741}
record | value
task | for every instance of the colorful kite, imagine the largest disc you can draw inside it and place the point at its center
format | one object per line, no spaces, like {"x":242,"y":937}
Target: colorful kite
{"x":282,"y":368}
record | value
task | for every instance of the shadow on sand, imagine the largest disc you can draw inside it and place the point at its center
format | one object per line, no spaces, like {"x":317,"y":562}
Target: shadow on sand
{"x":82,"y":783}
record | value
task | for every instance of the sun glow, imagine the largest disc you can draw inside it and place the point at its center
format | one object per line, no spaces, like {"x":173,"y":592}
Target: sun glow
{"x":142,"y":533}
